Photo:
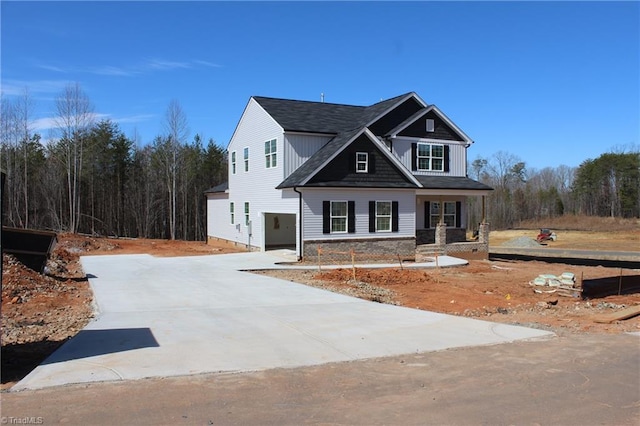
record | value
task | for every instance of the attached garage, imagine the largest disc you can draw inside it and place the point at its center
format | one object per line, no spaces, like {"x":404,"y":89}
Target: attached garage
{"x":279,"y":231}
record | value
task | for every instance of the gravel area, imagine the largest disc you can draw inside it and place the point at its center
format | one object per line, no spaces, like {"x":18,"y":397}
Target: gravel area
{"x":521,"y":242}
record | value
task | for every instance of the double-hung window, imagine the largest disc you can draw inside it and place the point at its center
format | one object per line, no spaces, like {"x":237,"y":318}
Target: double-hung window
{"x":232,"y":212}
{"x":270,"y":154}
{"x":246,"y":213}
{"x":430,"y":157}
{"x":383,"y":216}
{"x":362,"y":162}
{"x":246,"y":159}
{"x":448,"y":215}
{"x":338,"y":216}
{"x":233,"y":163}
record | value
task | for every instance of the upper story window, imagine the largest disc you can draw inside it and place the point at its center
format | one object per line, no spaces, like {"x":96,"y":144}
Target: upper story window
{"x":233,"y":163}
{"x":448,"y":215}
{"x":246,"y":159}
{"x":362,"y":162}
{"x":338,"y":216}
{"x":270,"y":153}
{"x":430,"y":124}
{"x":430,"y":157}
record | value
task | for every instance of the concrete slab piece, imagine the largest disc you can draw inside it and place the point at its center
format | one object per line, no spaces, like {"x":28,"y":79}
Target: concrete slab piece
{"x":163,"y":317}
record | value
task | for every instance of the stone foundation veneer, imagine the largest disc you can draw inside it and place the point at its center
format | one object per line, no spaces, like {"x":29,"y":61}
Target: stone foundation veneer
{"x":428,"y":236}
{"x":382,"y":249}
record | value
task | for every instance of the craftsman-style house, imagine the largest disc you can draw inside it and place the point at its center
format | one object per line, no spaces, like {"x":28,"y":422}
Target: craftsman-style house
{"x":380,"y":178}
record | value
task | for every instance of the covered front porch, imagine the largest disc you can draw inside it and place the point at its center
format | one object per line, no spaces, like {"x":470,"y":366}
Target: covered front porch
{"x":450,"y":225}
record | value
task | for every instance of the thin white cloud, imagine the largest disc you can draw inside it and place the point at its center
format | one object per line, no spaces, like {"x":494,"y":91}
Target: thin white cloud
{"x":146,"y":66}
{"x":16,"y":87}
{"x":134,"y":118}
{"x":207,"y":64}
{"x":159,"y":64}
{"x":43,"y":124}
{"x":114,"y":71}
{"x":53,"y":68}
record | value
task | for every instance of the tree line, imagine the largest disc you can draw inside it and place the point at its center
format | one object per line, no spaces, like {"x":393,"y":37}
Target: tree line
{"x":89,"y":177}
{"x":606,"y":186}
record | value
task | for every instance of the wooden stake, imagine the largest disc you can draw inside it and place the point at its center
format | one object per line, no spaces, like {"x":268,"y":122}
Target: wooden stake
{"x":353,"y":263}
{"x":620,"y":283}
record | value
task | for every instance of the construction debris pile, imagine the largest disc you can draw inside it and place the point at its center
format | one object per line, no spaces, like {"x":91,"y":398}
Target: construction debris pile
{"x":562,"y":285}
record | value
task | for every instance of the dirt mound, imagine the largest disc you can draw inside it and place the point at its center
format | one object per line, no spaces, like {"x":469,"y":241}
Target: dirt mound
{"x":39,"y":313}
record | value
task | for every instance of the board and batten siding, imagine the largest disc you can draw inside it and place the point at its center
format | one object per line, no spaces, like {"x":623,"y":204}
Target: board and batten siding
{"x":312,"y":212}
{"x":457,"y":156}
{"x":257,"y":186}
{"x":299,"y":148}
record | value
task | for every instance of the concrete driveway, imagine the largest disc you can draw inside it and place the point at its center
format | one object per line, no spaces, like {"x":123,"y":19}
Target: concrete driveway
{"x":160,"y":317}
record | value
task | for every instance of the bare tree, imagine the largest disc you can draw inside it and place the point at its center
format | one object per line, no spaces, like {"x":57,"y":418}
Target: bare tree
{"x":24,"y":110}
{"x":74,"y":118}
{"x":177,"y":129}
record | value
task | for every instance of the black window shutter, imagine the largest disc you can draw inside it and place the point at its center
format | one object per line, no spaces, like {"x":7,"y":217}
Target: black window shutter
{"x":427,"y":214}
{"x":351,"y":217}
{"x":394,"y":216}
{"x":352,"y":162}
{"x":446,"y":158}
{"x":458,"y":214}
{"x":372,"y":162}
{"x":414,"y":156}
{"x":372,"y":216}
{"x":326,"y":217}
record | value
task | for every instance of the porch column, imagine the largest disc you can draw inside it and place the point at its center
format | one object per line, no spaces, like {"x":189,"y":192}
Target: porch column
{"x":441,"y":234}
{"x":484,"y":206}
{"x":483,"y":233}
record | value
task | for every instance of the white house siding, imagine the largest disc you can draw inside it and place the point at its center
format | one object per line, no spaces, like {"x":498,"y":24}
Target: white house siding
{"x":257,"y":186}
{"x":218,"y":217}
{"x":312,"y":212}
{"x":457,"y":156}
{"x":299,"y":148}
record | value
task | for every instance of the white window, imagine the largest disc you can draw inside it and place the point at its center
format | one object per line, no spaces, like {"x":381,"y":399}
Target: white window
{"x":246,"y":213}
{"x":430,"y":157}
{"x":232,"y":212}
{"x":270,"y":153}
{"x":383,"y":216}
{"x":449,"y":214}
{"x":362,"y":162}
{"x":338,"y":216}
{"x":430,"y":125}
{"x":246,"y":159}
{"x":233,"y":163}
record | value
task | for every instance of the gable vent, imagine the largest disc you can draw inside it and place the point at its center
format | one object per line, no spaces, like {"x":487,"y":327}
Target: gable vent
{"x":430,"y":125}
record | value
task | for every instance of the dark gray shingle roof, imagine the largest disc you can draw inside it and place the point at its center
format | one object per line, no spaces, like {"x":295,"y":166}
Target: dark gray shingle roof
{"x":451,"y":182}
{"x":321,"y":117}
{"x":218,"y":188}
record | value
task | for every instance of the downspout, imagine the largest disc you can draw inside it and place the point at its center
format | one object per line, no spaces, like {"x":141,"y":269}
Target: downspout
{"x":299,"y":233}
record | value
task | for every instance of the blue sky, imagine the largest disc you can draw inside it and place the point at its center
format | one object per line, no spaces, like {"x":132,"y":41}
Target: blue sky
{"x":551,"y":83}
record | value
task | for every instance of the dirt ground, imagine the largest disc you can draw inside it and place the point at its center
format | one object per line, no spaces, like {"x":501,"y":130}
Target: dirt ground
{"x":40,"y":312}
